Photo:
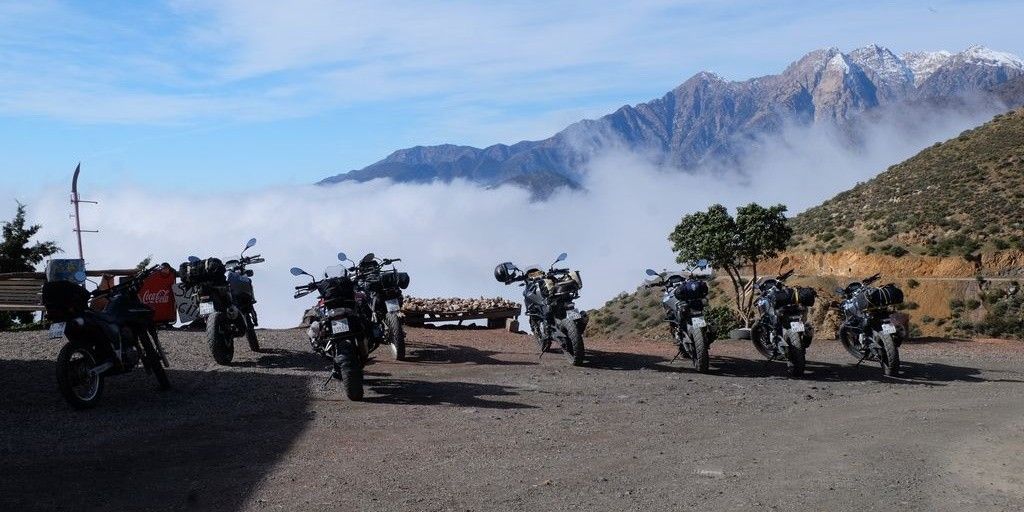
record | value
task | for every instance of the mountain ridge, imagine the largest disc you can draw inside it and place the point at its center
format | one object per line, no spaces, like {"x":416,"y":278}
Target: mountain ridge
{"x":708,"y":118}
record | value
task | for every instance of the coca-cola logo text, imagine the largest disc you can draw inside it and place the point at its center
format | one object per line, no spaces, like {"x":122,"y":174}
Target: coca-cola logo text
{"x":156,"y":297}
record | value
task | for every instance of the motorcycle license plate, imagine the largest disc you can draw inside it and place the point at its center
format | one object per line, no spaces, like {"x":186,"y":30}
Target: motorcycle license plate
{"x":889,"y":329}
{"x":57,"y":330}
{"x":339,"y":326}
{"x":206,"y":308}
{"x":572,"y":314}
{"x":698,"y":322}
{"x":393,"y":306}
{"x":797,"y":327}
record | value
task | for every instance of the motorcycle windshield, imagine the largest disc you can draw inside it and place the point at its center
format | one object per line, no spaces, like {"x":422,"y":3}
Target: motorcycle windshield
{"x":335,"y":271}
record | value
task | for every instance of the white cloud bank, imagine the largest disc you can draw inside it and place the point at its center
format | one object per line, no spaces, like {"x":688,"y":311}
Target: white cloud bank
{"x":450,"y":236}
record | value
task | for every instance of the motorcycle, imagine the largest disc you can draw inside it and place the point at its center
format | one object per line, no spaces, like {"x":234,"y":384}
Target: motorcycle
{"x":684,"y":298}
{"x":383,"y":289}
{"x":341,"y":330}
{"x":867,"y":330}
{"x":549,"y":297}
{"x":102,"y":344}
{"x":782,"y":330}
{"x":224,"y":293}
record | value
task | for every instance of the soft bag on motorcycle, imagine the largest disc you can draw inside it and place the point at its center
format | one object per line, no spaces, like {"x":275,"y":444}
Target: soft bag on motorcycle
{"x":210,"y":270}
{"x":888,"y":295}
{"x":691,"y":290}
{"x":800,"y":295}
{"x":394,"y":280}
{"x":337,"y":292}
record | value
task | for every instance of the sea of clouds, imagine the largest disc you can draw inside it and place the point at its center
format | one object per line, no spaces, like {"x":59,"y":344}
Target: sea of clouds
{"x":451,"y":235}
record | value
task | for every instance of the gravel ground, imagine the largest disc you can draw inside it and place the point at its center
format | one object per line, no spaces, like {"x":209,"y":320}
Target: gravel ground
{"x":475,"y":421}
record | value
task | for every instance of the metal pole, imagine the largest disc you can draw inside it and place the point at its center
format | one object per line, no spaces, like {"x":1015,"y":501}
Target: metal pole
{"x":74,"y":200}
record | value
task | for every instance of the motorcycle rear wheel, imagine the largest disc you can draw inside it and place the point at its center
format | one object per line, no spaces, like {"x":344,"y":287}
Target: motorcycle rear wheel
{"x":221,"y":345}
{"x":700,"y":351}
{"x":350,"y":370}
{"x":796,"y":356}
{"x":79,"y":389}
{"x":890,"y":355}
{"x":396,"y":336}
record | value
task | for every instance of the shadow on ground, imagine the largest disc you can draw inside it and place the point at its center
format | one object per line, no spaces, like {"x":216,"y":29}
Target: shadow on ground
{"x":458,"y":394}
{"x":912,"y":373}
{"x":455,"y":354}
{"x":203,"y":445}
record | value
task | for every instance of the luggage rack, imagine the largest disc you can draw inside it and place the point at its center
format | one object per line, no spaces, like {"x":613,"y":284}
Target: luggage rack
{"x":497,"y":318}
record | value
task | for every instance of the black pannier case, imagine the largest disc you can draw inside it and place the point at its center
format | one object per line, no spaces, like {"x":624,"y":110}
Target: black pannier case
{"x":806,"y":296}
{"x":691,"y":290}
{"x":63,"y":299}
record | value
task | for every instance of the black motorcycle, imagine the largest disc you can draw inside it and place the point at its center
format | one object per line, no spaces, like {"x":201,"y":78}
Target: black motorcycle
{"x":341,"y":330}
{"x":549,"y":297}
{"x":224,"y":293}
{"x":684,"y":298}
{"x":102,"y":344}
{"x":383,"y":289}
{"x":782,"y":331}
{"x":867,"y":330}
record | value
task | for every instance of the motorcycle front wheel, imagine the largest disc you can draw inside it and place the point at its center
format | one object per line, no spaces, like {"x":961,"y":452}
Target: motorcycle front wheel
{"x":846,"y":338}
{"x":221,"y":345}
{"x":250,"y":334}
{"x":396,"y":336}
{"x":574,"y":340}
{"x":153,"y":362}
{"x":80,"y":388}
{"x":761,"y":339}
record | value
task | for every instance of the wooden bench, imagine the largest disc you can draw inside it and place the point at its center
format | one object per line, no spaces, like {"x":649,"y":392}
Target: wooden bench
{"x":496,"y":318}
{"x":21,"y":294}
{"x":22,"y":291}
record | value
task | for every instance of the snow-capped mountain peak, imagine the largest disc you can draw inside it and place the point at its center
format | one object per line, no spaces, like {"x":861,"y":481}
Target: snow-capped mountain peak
{"x":923,"y":64}
{"x":883,"y":64}
{"x":983,"y":56}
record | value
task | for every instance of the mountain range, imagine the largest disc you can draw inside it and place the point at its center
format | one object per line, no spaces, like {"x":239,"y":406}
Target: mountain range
{"x":708,"y":118}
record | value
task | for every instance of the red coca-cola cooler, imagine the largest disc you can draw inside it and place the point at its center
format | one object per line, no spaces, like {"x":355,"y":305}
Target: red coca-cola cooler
{"x":157,"y":292}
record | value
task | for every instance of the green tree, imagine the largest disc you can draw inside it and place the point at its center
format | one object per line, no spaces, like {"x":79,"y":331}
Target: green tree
{"x":733,"y":244}
{"x":19,"y":254}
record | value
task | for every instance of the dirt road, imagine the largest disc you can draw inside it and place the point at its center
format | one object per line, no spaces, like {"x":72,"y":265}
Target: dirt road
{"x":475,"y":422}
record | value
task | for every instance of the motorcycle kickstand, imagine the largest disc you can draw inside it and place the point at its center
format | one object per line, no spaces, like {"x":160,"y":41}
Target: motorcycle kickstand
{"x":862,"y":358}
{"x":678,"y":353}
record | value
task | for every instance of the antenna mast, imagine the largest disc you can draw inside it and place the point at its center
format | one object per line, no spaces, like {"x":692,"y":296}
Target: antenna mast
{"x":75,"y":200}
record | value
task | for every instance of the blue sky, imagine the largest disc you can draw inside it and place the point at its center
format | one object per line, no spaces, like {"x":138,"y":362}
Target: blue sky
{"x":254,"y":93}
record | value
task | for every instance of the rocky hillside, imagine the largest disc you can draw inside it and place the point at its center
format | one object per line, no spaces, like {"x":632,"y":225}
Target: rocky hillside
{"x":961,"y":197}
{"x":708,"y":117}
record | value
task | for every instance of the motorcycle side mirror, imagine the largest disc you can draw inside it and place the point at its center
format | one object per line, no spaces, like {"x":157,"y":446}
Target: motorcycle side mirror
{"x":248,"y":245}
{"x":193,"y":259}
{"x":651,"y":272}
{"x":561,"y":257}
{"x":79,"y":277}
{"x":702,"y":263}
{"x":783,"y":263}
{"x":342,"y":256}
{"x":296,"y":271}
